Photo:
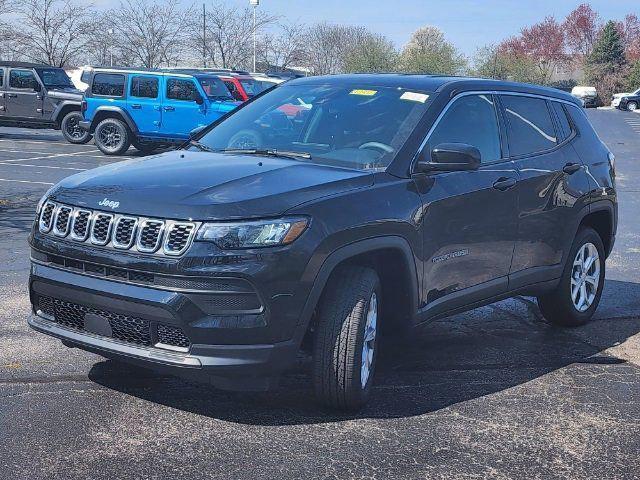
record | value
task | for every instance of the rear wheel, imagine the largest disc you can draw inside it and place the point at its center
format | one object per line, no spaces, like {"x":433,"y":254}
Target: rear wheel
{"x":71,"y":129}
{"x":576,"y":298}
{"x":632,"y":106}
{"x":112,"y":136}
{"x":346,"y":339}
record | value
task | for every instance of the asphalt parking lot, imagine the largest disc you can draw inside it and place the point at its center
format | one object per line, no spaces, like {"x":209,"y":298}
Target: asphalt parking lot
{"x":492,"y":393}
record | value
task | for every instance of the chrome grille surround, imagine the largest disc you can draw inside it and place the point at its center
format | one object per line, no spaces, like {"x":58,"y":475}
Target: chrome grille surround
{"x":149,"y":235}
{"x":178,"y":237}
{"x":124,"y":232}
{"x":101,"y":228}
{"x":81,"y":224}
{"x":62,"y":220}
{"x":47,"y":214}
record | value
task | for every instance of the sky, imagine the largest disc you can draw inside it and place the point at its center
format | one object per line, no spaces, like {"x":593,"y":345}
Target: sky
{"x":467,"y":24}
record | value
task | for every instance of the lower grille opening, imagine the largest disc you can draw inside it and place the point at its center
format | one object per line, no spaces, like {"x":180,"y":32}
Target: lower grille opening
{"x":125,"y":328}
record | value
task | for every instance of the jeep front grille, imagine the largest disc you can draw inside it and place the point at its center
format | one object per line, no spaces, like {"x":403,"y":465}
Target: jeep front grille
{"x":80,"y":225}
{"x":46,"y":216}
{"x":101,"y":228}
{"x":125,"y":231}
{"x":150,"y":235}
{"x":62,"y":221}
{"x":146,"y":235}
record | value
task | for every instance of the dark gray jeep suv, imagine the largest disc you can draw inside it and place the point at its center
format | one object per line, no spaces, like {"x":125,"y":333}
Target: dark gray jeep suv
{"x":40,"y":96}
{"x":322,"y":215}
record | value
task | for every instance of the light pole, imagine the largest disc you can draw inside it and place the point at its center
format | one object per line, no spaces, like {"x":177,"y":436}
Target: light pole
{"x":110,"y":32}
{"x":254,"y":4}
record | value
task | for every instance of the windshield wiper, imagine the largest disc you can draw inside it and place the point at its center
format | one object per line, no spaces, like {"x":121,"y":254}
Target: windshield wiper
{"x":201,"y":146}
{"x":268,"y":152}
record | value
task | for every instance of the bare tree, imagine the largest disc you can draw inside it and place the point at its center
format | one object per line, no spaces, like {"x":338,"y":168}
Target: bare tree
{"x":48,"y":31}
{"x":325,"y":45}
{"x":147,"y":33}
{"x":228,"y":41}
{"x":284,"y":47}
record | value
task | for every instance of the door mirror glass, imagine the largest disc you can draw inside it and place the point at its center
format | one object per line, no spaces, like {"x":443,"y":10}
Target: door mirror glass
{"x":199,"y":100}
{"x":450,"y":157}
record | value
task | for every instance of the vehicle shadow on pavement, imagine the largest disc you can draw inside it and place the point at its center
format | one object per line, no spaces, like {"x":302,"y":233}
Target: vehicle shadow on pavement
{"x":448,"y":361}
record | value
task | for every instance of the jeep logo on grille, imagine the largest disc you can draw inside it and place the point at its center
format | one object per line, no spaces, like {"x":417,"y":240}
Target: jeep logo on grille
{"x":112,"y":204}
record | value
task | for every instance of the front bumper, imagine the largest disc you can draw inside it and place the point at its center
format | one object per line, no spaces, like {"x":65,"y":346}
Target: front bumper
{"x":135,"y":314}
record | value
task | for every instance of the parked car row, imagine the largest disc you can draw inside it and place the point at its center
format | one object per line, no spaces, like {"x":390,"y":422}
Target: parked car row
{"x":120,"y":107}
{"x":623,"y":101}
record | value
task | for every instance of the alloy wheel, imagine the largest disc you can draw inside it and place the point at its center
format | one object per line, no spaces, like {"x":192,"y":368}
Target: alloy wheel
{"x":110,"y":136}
{"x":585,"y":277}
{"x":368,"y":345}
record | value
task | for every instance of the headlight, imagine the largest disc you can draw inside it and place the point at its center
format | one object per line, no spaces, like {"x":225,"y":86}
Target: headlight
{"x":253,"y":234}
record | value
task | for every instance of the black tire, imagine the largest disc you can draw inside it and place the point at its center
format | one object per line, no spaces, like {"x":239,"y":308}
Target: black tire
{"x":558,"y":306}
{"x":112,"y":136}
{"x":340,"y":338}
{"x":71,"y":130}
{"x":146,"y":148}
{"x":632,"y":106}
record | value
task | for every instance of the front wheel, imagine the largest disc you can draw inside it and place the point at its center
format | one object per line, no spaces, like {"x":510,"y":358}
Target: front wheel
{"x":632,"y":106}
{"x":71,"y":129}
{"x":346,"y":338}
{"x":112,"y":136}
{"x":577,"y":296}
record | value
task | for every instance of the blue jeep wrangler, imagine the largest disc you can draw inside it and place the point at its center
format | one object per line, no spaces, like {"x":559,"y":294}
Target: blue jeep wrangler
{"x":150,"y":108}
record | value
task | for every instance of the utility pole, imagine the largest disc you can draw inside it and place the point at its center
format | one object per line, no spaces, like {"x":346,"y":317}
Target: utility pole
{"x":204,"y":36}
{"x":254,"y":4}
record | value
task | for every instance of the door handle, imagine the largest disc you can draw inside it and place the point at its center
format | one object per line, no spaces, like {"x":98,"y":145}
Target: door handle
{"x":571,"y":168}
{"x":504,"y":183}
{"x":168,"y":109}
{"x":136,"y":106}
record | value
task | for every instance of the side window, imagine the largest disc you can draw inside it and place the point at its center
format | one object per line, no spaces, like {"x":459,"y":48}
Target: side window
{"x":529,"y":125}
{"x":108,"y":85}
{"x":232,"y":88}
{"x":84,"y":78}
{"x":1,"y":77}
{"x":23,"y":79}
{"x":144,"y":87}
{"x":563,"y":121}
{"x":179,"y":89}
{"x":472,"y":120}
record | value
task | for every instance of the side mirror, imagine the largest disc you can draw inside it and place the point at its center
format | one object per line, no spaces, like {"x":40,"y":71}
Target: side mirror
{"x":199,"y":99}
{"x":450,"y":157}
{"x":37,"y":87}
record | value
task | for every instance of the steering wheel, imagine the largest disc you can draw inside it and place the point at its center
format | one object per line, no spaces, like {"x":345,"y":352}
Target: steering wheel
{"x":245,"y":139}
{"x":378,"y":146}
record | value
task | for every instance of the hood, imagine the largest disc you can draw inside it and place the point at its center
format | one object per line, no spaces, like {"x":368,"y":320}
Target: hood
{"x":65,"y":94}
{"x":206,"y":186}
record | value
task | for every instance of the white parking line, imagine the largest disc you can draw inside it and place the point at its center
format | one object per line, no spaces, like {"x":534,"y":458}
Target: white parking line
{"x":24,"y":181}
{"x":47,"y":142}
{"x":12,"y":160}
{"x":43,"y":166}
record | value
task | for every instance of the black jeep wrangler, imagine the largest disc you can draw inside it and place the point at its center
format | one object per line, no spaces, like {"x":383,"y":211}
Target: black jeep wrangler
{"x":326,"y":214}
{"x":40,"y":96}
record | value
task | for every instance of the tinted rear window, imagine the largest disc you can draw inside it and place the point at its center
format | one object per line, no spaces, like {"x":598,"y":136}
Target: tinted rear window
{"x":144,"y":87}
{"x":563,"y":121}
{"x":108,"y":84}
{"x":529,"y":125}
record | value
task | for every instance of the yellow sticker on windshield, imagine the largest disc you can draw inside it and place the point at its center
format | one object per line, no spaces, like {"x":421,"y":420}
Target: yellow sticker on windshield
{"x":414,"y":97}
{"x":366,"y":93}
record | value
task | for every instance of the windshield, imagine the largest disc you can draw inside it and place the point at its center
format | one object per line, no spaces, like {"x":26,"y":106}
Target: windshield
{"x":54,"y":77}
{"x":251,"y":87}
{"x":345,"y":126}
{"x":215,"y":88}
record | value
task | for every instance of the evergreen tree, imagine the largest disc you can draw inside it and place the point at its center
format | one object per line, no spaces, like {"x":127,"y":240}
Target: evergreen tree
{"x":633,"y":80}
{"x":608,"y":50}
